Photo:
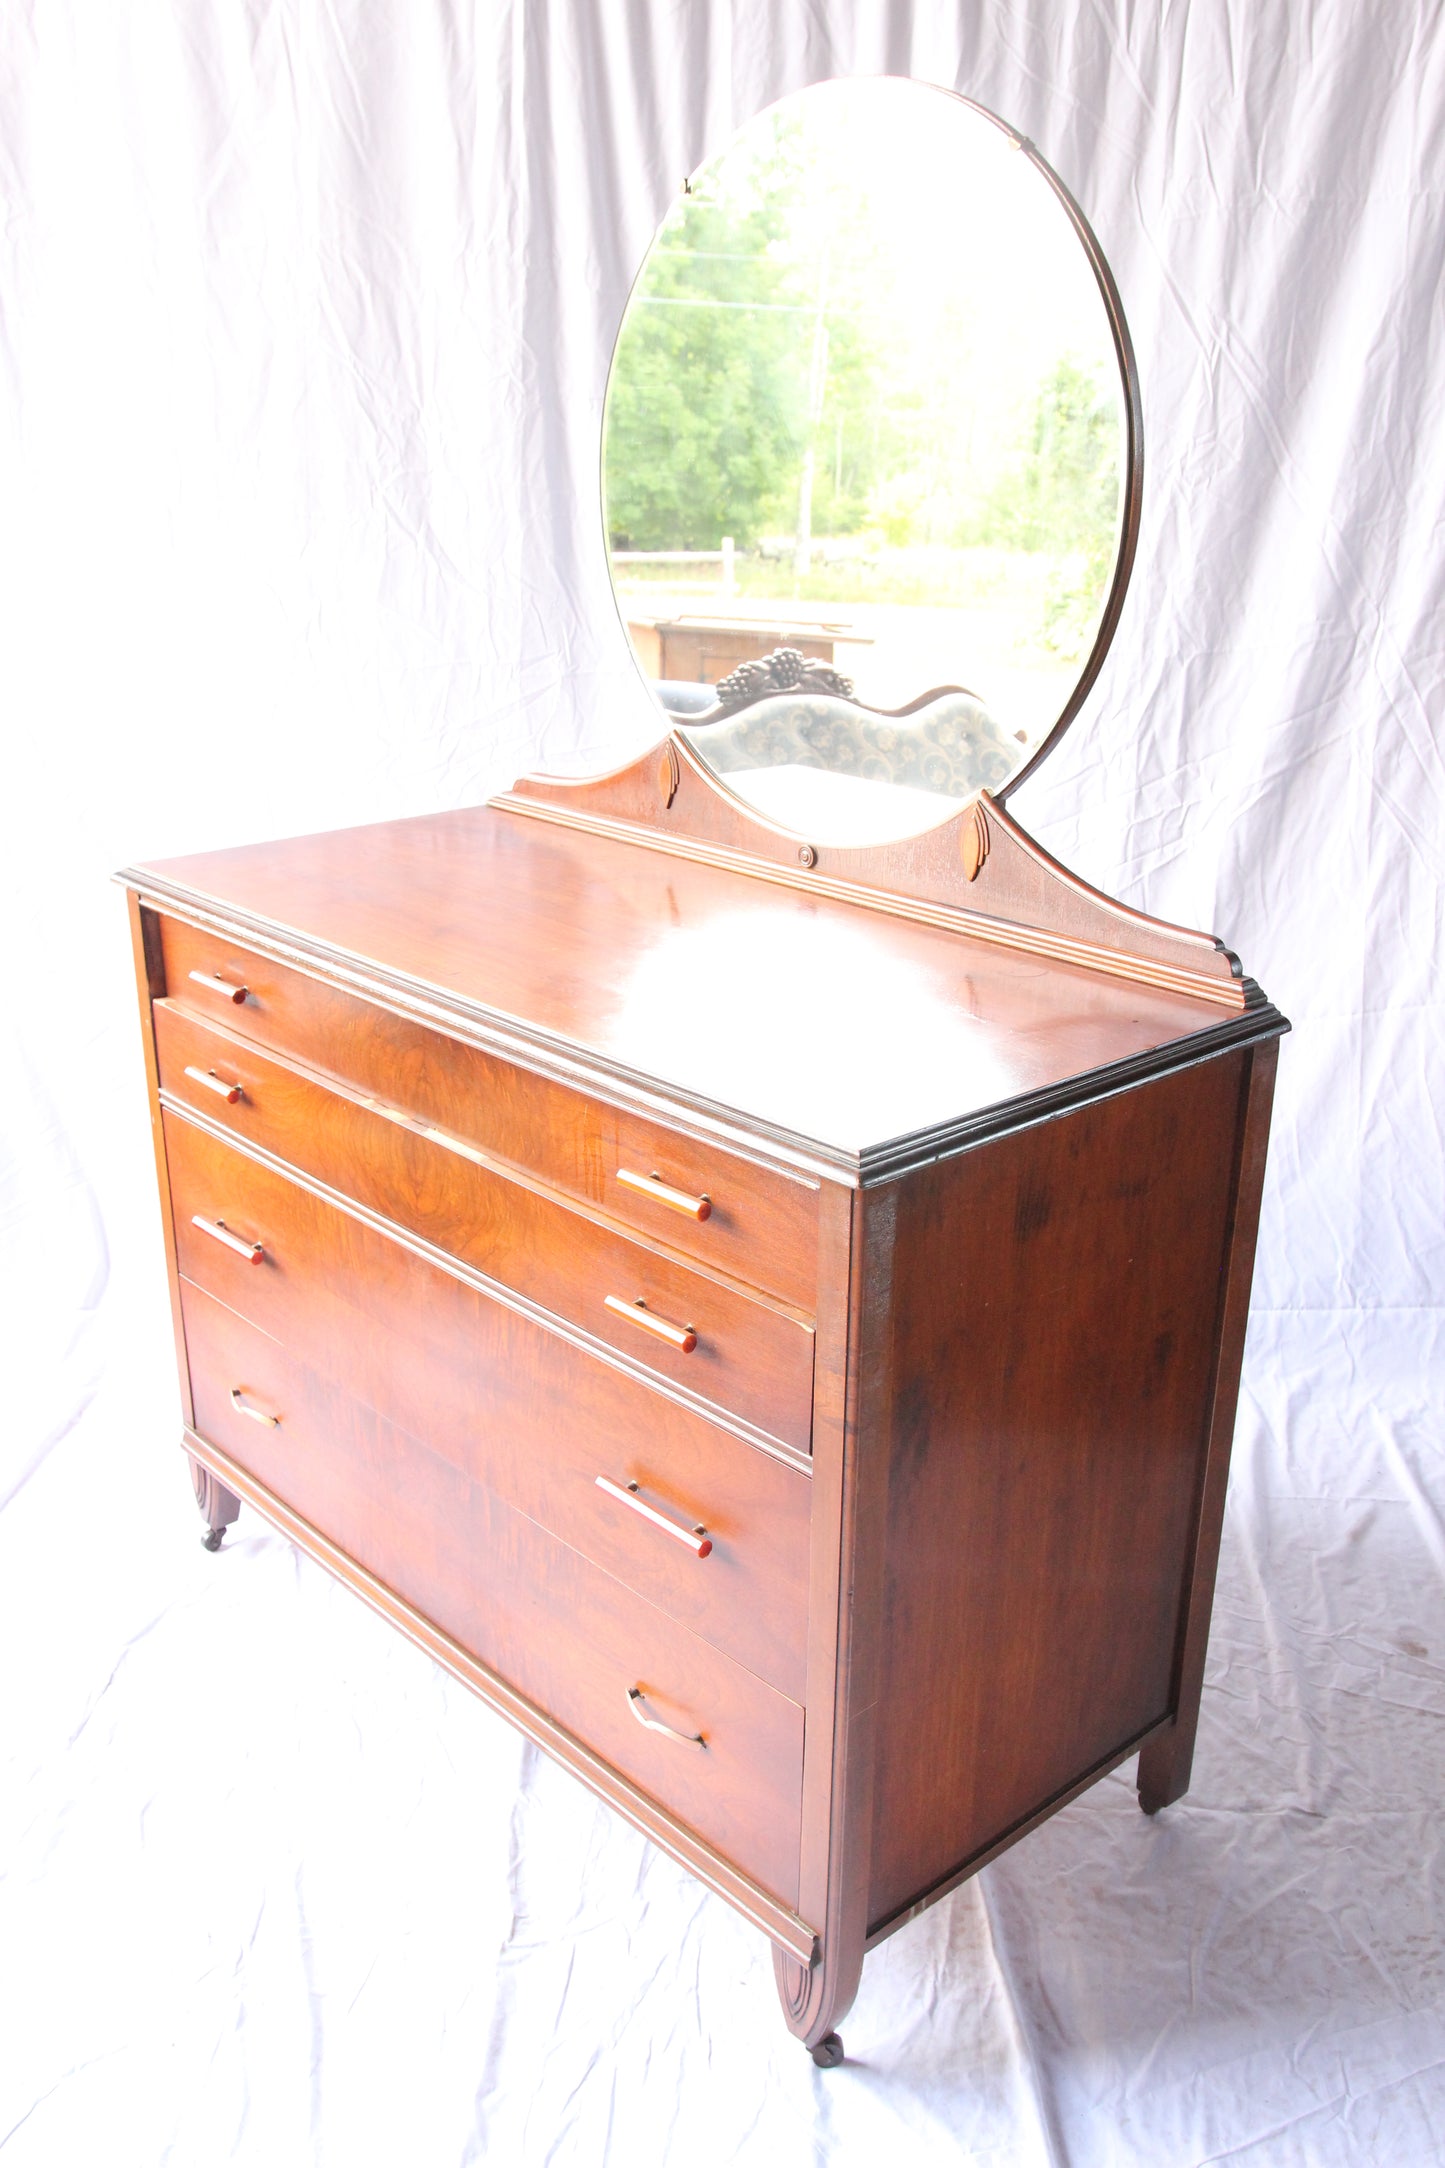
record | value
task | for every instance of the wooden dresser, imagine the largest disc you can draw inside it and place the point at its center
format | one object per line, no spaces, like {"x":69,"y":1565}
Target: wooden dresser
{"x":768,"y":1319}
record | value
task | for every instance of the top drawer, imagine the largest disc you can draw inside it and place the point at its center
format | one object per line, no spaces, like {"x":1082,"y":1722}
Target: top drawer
{"x":757,"y":1223}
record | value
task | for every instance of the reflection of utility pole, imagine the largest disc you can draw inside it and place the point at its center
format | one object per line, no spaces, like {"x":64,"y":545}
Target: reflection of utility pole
{"x":817,"y":385}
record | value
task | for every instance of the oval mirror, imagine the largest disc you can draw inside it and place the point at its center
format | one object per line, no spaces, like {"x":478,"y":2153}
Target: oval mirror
{"x":871,"y":460}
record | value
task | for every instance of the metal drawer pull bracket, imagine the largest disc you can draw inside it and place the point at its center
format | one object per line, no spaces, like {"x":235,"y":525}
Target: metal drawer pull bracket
{"x":257,"y":1415}
{"x":676,"y":1200}
{"x":682,"y":1337}
{"x":215,"y":985}
{"x":637,"y":1702}
{"x":697,"y":1539}
{"x":220,"y":1232}
{"x":213,"y":1083}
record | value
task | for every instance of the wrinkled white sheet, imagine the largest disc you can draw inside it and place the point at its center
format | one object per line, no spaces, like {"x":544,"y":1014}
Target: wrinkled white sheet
{"x":304,"y":321}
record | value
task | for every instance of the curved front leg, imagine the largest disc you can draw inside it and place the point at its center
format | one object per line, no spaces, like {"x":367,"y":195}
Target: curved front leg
{"x":219,"y":1506}
{"x":816,"y":1998}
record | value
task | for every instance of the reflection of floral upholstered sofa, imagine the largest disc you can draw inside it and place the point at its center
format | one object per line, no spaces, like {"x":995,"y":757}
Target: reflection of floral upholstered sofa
{"x":950,"y":744}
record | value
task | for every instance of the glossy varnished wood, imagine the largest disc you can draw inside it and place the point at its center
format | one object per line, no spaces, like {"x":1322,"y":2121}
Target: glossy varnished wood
{"x":748,"y":1358}
{"x":761,"y":1225}
{"x":569,"y":1637}
{"x":847,"y":1556}
{"x":1165,"y":1763}
{"x":825,"y":1022}
{"x":978,"y":873}
{"x":1044,"y":1314}
{"x":989,"y":1143}
{"x":515,"y":1407}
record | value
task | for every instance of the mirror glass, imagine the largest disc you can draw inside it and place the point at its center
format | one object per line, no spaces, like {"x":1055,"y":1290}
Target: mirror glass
{"x":871,"y":406}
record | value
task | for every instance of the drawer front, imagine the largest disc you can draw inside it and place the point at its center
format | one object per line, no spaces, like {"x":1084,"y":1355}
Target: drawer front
{"x":566,"y":1635}
{"x":510,"y":1405}
{"x":762,"y":1225}
{"x":744,"y":1356}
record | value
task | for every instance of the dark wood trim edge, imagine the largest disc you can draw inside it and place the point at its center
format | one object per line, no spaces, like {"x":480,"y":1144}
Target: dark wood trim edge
{"x":1164,"y":1767}
{"x":783,"y":1928}
{"x":880,"y":1163}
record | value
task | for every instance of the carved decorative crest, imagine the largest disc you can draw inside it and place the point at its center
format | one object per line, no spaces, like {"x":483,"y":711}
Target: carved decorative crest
{"x":786,"y":670}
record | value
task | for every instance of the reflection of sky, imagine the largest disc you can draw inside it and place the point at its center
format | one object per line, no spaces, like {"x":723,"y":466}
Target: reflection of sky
{"x":970,"y":229}
{"x":962,"y":240}
{"x":763,"y":976}
{"x":973,"y":281}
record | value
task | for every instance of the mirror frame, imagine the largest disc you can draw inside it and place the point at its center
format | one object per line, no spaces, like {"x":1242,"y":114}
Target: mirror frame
{"x":1132,"y":478}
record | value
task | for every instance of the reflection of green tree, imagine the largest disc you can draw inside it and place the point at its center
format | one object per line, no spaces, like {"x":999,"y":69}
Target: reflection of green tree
{"x":708,"y":411}
{"x":785,"y":365}
{"x":1063,"y":497}
{"x":1063,"y":492}
{"x":704,"y":415}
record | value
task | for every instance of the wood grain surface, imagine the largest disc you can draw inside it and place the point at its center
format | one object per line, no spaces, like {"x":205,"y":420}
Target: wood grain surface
{"x":1164,"y":1765}
{"x":831,"y":1021}
{"x":510,"y":1404}
{"x":750,"y":1359}
{"x":1045,"y":1312}
{"x":762,"y":1227}
{"x":567,"y":1635}
{"x":976,"y":871}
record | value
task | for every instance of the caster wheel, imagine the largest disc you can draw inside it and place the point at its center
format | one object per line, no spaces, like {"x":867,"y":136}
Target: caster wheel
{"x":828,"y":2053}
{"x":211,"y":1540}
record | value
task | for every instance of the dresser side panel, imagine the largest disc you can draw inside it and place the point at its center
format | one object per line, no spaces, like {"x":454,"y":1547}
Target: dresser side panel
{"x":1049,"y":1349}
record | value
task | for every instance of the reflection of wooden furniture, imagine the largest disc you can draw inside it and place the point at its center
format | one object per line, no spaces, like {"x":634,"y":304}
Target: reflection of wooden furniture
{"x":776,"y":1340}
{"x":700,"y":650}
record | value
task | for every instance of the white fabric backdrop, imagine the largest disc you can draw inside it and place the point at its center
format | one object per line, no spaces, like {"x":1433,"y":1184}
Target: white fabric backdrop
{"x":304,"y":320}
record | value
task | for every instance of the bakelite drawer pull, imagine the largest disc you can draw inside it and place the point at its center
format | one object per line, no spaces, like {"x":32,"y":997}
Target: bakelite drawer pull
{"x":697,"y":1539}
{"x":213,"y":1083}
{"x":676,"y":1200}
{"x":637,"y":1703}
{"x":215,"y":985}
{"x":682,"y":1337}
{"x":257,"y":1415}
{"x":220,"y":1232}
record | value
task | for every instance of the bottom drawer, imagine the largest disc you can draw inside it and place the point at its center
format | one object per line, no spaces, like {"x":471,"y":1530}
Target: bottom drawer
{"x":565,"y":1634}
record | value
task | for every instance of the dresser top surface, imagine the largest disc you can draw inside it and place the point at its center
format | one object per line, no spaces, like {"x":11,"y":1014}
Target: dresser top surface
{"x":835,"y":1023}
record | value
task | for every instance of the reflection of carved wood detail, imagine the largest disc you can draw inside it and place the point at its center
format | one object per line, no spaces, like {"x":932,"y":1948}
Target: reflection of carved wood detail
{"x":668,"y":774}
{"x":786,"y":670}
{"x":973,"y":842}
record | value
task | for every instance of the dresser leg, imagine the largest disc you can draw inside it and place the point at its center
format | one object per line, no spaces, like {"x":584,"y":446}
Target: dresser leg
{"x":1164,"y":1765}
{"x":219,"y":1506}
{"x":814,"y":1998}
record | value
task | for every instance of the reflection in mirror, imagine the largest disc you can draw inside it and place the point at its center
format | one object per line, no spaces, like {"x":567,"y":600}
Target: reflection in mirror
{"x":867,"y":406}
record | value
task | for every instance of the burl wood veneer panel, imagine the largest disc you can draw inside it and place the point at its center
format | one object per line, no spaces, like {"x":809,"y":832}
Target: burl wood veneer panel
{"x":508,"y":1403}
{"x":748,"y":1358}
{"x":762,"y":1225}
{"x":1045,"y":1311}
